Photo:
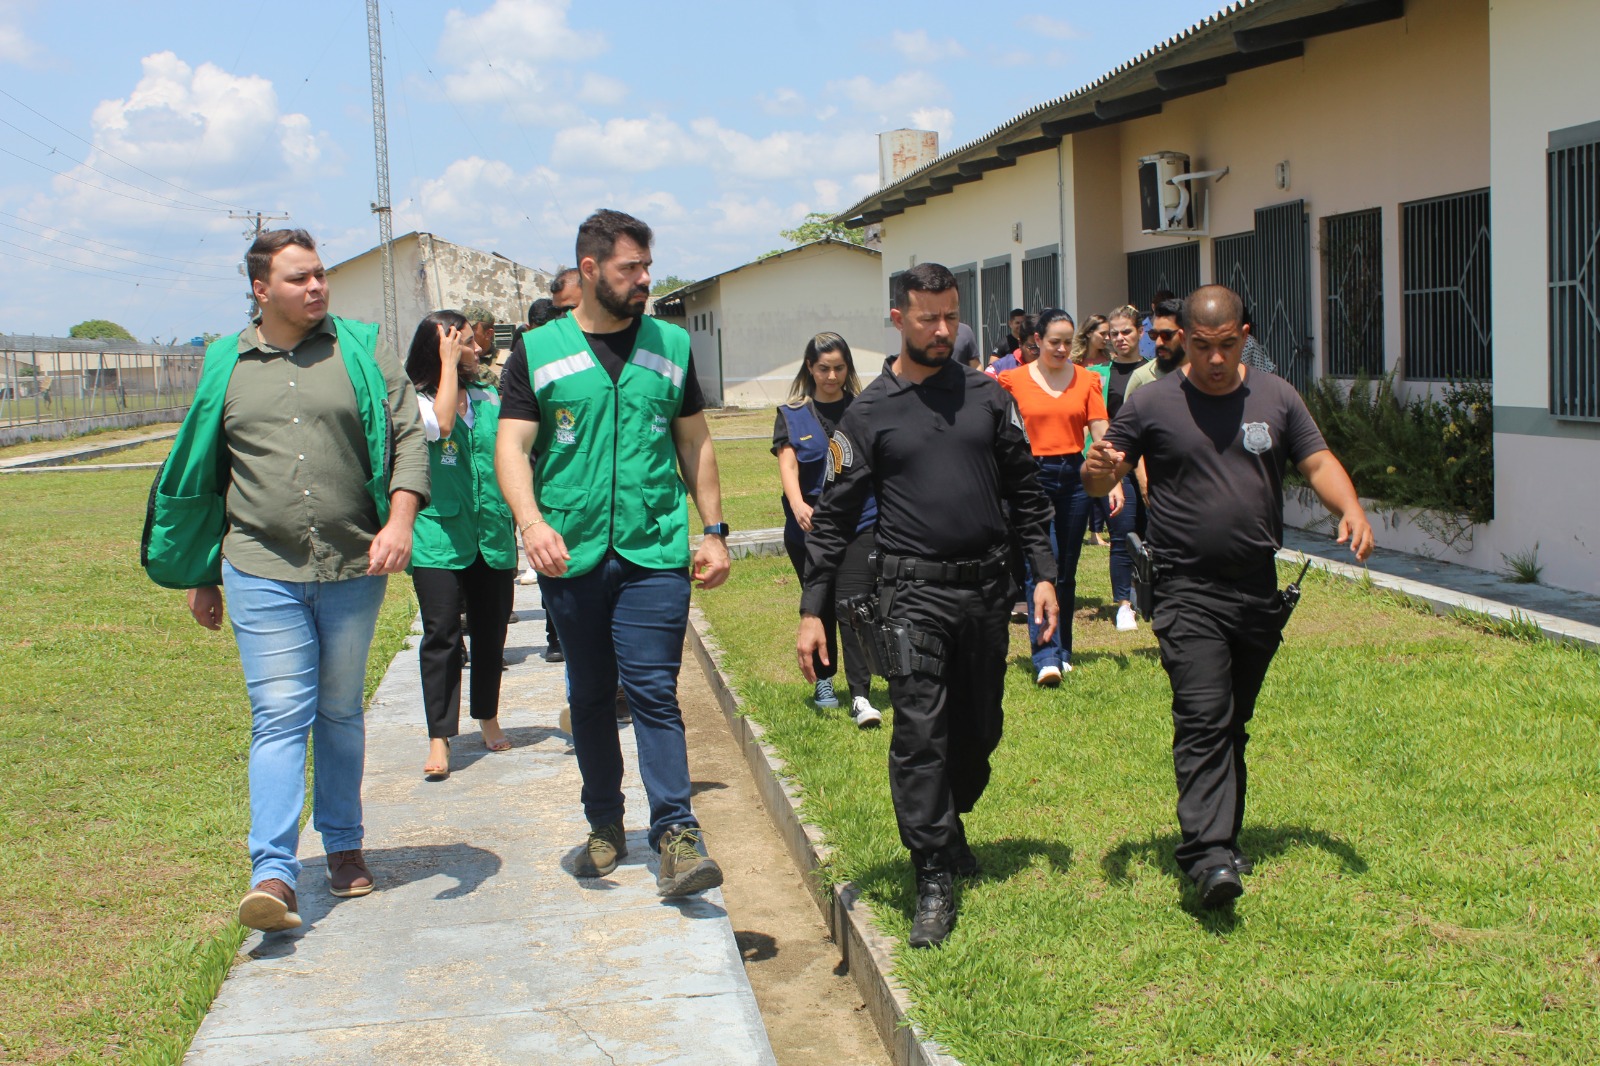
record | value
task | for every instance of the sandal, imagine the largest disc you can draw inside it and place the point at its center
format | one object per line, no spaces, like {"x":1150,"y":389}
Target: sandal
{"x":503,"y":744}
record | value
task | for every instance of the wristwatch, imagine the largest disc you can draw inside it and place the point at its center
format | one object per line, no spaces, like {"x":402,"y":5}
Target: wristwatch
{"x":720,"y":530}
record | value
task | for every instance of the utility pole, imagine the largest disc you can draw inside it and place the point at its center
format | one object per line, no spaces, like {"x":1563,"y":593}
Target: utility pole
{"x":256,"y":218}
{"x":380,"y":207}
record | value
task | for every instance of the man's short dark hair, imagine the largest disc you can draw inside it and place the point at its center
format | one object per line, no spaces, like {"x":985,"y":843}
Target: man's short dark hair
{"x":1171,"y":308}
{"x":924,"y":277}
{"x":268,"y":243}
{"x":1161,"y":296}
{"x":1015,"y":311}
{"x":563,"y":278}
{"x":597,"y":237}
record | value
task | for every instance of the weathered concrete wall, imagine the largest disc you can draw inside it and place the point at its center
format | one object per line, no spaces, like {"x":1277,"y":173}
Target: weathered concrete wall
{"x":71,"y":427}
{"x":432,"y":275}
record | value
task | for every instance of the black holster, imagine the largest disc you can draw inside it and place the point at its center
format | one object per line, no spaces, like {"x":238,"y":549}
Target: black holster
{"x":1144,"y":576}
{"x":894,"y":648}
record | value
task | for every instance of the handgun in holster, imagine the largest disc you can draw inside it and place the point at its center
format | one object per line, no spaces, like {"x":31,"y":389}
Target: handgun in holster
{"x":894,"y":647}
{"x":1144,"y":576}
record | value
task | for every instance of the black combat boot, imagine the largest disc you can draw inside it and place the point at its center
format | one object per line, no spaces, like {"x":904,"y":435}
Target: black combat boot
{"x":936,"y":900}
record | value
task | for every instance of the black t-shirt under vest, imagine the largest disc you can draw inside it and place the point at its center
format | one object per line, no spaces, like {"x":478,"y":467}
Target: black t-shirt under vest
{"x":612,"y":351}
{"x":1216,"y":466}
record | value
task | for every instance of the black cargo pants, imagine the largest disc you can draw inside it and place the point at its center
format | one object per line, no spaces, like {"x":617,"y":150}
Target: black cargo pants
{"x":946,"y":727}
{"x":1217,"y":639}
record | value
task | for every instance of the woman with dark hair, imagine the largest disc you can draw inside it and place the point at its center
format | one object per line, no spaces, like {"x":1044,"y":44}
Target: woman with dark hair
{"x":1058,"y":402}
{"x":1126,"y":330}
{"x":1089,"y":351}
{"x":463,"y":546}
{"x":821,"y":393}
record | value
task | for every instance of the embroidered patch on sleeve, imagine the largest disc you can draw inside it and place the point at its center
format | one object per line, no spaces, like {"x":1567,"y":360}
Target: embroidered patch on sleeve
{"x":841,"y":452}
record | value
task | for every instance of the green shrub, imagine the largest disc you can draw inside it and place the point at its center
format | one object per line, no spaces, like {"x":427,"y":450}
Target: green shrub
{"x":1427,"y":453}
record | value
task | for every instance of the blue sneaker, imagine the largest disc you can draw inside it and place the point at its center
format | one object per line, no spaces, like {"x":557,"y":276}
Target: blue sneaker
{"x":824,"y":697}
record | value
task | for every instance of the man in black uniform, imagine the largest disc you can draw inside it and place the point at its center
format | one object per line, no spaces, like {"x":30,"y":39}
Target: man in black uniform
{"x":1214,"y":438}
{"x":941,"y":446}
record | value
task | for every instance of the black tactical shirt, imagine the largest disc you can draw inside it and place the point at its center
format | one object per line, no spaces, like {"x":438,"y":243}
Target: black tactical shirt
{"x":940,"y":456}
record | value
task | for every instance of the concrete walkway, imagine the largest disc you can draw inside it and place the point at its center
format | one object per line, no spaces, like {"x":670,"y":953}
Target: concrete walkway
{"x":78,"y":452}
{"x":479,"y":946}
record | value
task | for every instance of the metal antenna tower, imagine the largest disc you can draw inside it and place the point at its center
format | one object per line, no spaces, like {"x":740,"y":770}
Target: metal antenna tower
{"x":380,"y":207}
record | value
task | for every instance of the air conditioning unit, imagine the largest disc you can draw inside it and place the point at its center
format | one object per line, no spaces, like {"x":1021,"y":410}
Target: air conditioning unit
{"x":1166,"y":203}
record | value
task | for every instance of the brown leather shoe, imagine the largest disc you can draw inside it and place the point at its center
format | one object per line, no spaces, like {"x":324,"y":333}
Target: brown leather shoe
{"x":348,"y":874}
{"x":269,"y":907}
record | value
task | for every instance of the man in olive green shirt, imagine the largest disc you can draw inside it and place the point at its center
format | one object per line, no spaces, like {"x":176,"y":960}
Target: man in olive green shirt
{"x":306,"y":552}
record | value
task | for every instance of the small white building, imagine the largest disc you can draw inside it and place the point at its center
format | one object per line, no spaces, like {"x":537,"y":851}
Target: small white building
{"x":1363,"y":142}
{"x":435,"y":275}
{"x":749,"y":326}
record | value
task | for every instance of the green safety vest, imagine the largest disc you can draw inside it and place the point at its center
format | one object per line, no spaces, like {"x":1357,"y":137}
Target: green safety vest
{"x":186,"y":515}
{"x":607,"y":470}
{"x":467,"y":514}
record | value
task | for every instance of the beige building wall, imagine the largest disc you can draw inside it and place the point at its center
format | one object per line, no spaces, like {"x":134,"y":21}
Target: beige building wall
{"x":1098,"y":278}
{"x":974,"y":223}
{"x":1371,"y":117}
{"x":773,"y":307}
{"x":703,"y":320}
{"x":1543,"y":79}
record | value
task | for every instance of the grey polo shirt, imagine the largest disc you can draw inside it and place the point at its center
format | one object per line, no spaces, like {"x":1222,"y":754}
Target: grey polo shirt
{"x":298,"y":508}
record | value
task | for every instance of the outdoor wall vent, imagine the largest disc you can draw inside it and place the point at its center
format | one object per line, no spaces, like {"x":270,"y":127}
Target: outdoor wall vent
{"x":1167,"y":206}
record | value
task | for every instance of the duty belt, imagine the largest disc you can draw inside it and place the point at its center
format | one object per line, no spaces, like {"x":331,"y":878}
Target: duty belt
{"x":956,"y":572}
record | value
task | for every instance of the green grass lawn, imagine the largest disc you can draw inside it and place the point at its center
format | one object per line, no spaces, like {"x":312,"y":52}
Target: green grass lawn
{"x":1423,"y":812}
{"x":124,"y":728}
{"x":751,"y":494}
{"x":93,"y":437}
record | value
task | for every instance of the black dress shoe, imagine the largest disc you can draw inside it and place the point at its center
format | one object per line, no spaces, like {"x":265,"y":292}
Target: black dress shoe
{"x":1219,"y":886}
{"x":1243,"y":863}
{"x":553,"y":654}
{"x":936,"y":908}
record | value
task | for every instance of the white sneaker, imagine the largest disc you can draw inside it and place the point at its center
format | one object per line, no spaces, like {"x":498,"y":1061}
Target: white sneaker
{"x":1049,"y":677}
{"x":529,"y":576}
{"x":865,"y":714}
{"x":1127,"y":621}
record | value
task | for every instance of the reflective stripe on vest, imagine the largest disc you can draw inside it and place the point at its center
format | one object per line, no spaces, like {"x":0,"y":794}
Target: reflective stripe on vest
{"x":561,"y":368}
{"x":661,"y":365}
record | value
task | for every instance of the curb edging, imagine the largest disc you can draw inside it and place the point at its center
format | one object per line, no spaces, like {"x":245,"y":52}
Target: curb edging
{"x":866,"y":952}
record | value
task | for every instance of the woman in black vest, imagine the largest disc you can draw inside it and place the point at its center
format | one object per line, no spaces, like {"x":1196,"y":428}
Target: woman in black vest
{"x":818,"y":399}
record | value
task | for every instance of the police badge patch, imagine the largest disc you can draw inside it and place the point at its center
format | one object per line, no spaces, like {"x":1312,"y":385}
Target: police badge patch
{"x":1257,"y":438}
{"x":840,"y":452}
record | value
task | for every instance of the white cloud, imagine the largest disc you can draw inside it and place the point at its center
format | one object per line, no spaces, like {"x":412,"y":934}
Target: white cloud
{"x":602,"y":91}
{"x":1054,"y":28}
{"x":918,"y":47}
{"x":203,"y":121}
{"x":782,"y":101}
{"x":15,"y":45}
{"x":827,"y":193}
{"x":893,"y":101}
{"x":631,"y":144}
{"x":939,"y":119}
{"x":519,"y":55}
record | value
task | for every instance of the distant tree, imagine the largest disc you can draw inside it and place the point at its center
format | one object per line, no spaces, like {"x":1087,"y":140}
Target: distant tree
{"x":668,"y":283}
{"x":819,"y":224}
{"x":98,"y":329}
{"x":769,"y":255}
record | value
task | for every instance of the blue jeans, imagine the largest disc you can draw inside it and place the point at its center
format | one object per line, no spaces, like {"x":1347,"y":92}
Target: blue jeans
{"x":1059,"y":477}
{"x":619,"y":606}
{"x":303,"y":647}
{"x":1120,"y":525}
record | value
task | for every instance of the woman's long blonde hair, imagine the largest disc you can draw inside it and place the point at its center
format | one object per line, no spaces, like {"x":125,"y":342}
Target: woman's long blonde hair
{"x":1080,"y":340}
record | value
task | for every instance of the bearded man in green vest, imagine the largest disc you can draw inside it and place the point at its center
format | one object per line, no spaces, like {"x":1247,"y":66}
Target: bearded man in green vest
{"x":608,"y":401}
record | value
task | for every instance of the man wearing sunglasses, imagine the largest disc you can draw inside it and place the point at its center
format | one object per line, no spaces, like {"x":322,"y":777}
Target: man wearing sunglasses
{"x":1166,"y":333}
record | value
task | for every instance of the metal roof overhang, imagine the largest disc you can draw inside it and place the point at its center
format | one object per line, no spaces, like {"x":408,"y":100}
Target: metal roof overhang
{"x":1243,"y":36}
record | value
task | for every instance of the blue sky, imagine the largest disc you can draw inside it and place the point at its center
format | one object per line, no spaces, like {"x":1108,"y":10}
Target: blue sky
{"x":129,"y":131}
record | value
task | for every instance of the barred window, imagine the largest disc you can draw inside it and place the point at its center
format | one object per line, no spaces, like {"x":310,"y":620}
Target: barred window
{"x":1574,"y":169}
{"x":996,"y":282}
{"x":1041,"y":279}
{"x":1446,"y":294}
{"x":1175,"y":268}
{"x":1352,"y":277}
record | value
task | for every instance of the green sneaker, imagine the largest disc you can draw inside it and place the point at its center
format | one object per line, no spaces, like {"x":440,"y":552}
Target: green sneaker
{"x":607,"y":844}
{"x":685,"y":868}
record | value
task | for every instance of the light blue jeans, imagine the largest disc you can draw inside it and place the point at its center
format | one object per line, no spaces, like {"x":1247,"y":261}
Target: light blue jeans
{"x":303,"y":647}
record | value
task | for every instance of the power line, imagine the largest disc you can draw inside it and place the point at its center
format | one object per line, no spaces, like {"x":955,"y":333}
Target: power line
{"x":88,"y":240}
{"x":104,"y":174}
{"x":120,"y":258}
{"x":102,"y":188}
{"x":79,"y":267}
{"x":103,"y":151}
{"x":108,"y":274}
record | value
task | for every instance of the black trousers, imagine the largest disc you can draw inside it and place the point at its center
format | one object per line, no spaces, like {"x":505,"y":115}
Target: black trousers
{"x":488,"y":594}
{"x":947,"y":726}
{"x":853,"y":578}
{"x":1217,"y":639}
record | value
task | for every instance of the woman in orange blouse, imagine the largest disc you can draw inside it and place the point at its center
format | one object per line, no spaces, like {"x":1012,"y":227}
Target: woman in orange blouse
{"x":1058,"y":402}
